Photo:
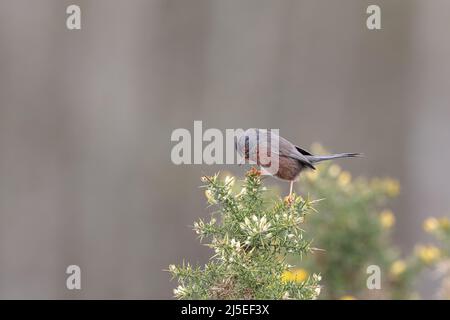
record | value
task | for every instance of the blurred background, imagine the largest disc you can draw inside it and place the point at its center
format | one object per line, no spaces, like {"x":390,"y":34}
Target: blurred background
{"x":86,"y":118}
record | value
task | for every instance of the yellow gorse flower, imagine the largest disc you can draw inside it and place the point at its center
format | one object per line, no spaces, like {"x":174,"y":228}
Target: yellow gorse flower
{"x":344,"y":179}
{"x":398,"y":267}
{"x":431,"y":224}
{"x":296,"y":275}
{"x":428,"y":254}
{"x":392,"y":187}
{"x":334,"y":170}
{"x":387,"y":219}
{"x":389,"y":185}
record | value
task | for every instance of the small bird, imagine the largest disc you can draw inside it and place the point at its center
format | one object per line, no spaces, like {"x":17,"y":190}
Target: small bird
{"x":277,"y":156}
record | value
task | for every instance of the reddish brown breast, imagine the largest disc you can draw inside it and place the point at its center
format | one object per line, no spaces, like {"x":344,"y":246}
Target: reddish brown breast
{"x":289,"y":168}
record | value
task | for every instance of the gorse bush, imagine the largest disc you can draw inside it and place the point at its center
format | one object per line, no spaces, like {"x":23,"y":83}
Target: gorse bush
{"x":439,"y":228}
{"x":354,"y":228}
{"x":256,"y":235}
{"x":251,"y":238}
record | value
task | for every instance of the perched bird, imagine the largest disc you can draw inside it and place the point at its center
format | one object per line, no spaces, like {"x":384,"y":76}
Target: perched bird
{"x":277,"y":156}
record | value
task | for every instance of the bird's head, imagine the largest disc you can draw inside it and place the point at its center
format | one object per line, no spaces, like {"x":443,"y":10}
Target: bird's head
{"x":246,"y":143}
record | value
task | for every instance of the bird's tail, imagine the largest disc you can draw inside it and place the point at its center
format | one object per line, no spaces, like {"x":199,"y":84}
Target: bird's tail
{"x":315,"y":159}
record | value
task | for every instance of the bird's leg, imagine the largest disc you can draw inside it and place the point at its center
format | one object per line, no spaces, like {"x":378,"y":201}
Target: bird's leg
{"x":290,"y":190}
{"x":290,"y":198}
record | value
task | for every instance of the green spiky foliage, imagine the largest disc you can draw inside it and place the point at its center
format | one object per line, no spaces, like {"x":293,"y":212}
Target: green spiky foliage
{"x":354,"y":229}
{"x":250,"y":238}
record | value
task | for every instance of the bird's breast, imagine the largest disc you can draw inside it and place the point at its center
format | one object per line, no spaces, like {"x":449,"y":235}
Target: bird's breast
{"x":288,"y":168}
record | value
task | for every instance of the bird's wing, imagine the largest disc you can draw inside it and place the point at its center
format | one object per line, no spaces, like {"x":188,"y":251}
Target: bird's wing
{"x":303,"y":151}
{"x":290,"y":150}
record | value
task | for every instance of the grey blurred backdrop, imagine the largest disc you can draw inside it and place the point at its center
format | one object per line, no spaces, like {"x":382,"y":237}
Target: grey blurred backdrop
{"x":86,"y":118}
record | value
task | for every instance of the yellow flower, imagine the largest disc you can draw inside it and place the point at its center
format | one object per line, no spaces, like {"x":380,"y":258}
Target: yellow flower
{"x":392,"y":187}
{"x":289,"y":199}
{"x":334,"y":170}
{"x":344,"y":178}
{"x":387,"y":219}
{"x":286,"y":276}
{"x":430,"y":224}
{"x":296,"y":275}
{"x":300,"y":275}
{"x":398,"y":267}
{"x":428,"y":254}
{"x":347,"y":297}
